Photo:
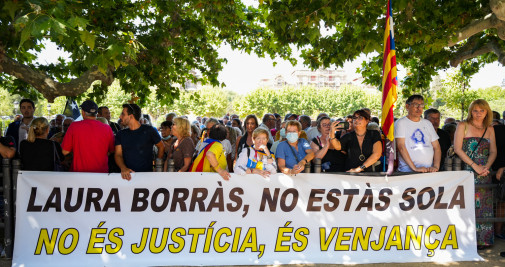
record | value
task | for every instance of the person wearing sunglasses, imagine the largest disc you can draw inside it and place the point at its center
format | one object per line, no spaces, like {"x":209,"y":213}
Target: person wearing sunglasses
{"x":363,"y":147}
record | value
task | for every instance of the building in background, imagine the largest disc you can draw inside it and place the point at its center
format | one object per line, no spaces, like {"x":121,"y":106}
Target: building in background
{"x":321,"y":78}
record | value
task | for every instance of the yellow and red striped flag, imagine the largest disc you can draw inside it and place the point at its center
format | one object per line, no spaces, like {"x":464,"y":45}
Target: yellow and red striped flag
{"x":389,"y":77}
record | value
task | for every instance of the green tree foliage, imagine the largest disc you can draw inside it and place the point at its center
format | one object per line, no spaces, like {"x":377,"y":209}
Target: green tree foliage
{"x":308,"y":100}
{"x":143,"y":44}
{"x":453,"y":96}
{"x":159,"y":43}
{"x":430,"y":35}
{"x":495,"y":96}
{"x":455,"y":93}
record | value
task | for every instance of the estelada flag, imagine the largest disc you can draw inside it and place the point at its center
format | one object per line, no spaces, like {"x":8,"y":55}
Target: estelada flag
{"x":389,"y":77}
{"x":72,"y":110}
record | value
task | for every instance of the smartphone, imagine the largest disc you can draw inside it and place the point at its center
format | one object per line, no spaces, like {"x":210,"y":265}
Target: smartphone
{"x":344,"y":125}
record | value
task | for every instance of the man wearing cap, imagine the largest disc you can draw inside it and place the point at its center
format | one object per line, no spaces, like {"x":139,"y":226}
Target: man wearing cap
{"x":89,"y":140}
{"x":134,"y":145}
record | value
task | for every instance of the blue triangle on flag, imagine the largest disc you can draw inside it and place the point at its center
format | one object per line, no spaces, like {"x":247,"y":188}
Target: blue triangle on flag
{"x":72,"y":109}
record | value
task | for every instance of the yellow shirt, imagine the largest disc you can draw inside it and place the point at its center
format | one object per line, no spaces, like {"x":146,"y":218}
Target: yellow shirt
{"x":218,"y":150}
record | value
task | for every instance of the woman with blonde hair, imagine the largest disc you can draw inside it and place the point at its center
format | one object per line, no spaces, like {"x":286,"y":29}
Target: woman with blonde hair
{"x":181,"y":151}
{"x":475,"y":144}
{"x":38,"y":153}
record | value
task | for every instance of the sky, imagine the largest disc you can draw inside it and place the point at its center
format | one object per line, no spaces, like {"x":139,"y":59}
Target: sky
{"x":243,"y":72}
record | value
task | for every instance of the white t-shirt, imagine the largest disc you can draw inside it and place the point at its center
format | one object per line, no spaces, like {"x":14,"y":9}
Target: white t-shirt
{"x":227,"y":147}
{"x":418,"y":138}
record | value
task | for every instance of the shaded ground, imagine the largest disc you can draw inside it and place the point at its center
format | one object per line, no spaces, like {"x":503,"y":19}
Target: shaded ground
{"x":492,"y":258}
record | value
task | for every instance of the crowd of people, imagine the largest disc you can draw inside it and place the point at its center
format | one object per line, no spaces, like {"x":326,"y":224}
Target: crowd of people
{"x":277,"y":144}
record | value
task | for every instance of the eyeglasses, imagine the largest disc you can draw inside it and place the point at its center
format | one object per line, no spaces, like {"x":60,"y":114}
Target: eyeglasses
{"x":417,"y":105}
{"x":358,"y":118}
{"x":326,"y":124}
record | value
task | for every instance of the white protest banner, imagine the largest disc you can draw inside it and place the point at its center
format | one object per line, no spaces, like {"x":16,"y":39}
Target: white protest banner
{"x":88,"y":219}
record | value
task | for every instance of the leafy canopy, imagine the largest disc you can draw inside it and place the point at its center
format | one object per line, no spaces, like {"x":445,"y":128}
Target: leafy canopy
{"x":140,"y":43}
{"x":162,"y":44}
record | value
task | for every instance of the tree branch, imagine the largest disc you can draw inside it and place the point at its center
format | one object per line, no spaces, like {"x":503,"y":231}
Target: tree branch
{"x":489,"y":21}
{"x":498,"y":50}
{"x":46,"y":85}
{"x":468,"y":52}
{"x":498,"y":8}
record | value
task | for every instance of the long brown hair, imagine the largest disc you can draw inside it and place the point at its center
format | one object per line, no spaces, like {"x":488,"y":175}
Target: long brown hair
{"x":488,"y":120}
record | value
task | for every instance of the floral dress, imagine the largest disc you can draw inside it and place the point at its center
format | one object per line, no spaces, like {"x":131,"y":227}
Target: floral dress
{"x":483,"y":196}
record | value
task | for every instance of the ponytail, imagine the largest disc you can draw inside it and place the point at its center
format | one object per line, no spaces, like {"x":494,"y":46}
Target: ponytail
{"x":38,"y":127}
{"x":31,"y":134}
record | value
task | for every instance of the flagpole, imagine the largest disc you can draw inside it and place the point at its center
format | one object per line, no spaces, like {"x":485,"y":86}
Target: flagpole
{"x":389,"y":86}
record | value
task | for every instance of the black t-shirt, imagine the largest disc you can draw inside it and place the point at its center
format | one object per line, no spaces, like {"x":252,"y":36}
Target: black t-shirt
{"x":445,"y":143}
{"x":350,"y":145}
{"x":335,"y":157}
{"x":39,"y":155}
{"x":137,"y":146}
{"x":499,"y":133}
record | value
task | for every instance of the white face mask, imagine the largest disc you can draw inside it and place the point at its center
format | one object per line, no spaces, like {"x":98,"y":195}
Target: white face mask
{"x":292,"y":137}
{"x":283,"y":133}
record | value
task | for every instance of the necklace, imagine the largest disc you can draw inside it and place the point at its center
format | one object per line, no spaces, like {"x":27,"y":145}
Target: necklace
{"x":361,"y":157}
{"x":360,"y":135}
{"x":478,"y":128}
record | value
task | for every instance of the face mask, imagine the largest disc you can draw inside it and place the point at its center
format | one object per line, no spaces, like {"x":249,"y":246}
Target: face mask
{"x":292,"y":137}
{"x":166,"y":138}
{"x":283,"y":133}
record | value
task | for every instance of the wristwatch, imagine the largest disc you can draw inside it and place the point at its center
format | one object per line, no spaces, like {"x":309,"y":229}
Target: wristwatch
{"x":362,"y":167}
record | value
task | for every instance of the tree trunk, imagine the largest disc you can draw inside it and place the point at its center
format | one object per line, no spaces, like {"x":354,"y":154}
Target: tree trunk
{"x":463,"y":103}
{"x":46,"y":85}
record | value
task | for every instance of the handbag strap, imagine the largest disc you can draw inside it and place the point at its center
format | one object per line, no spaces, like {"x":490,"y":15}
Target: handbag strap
{"x":480,"y":140}
{"x":293,"y":151}
{"x":55,"y":153}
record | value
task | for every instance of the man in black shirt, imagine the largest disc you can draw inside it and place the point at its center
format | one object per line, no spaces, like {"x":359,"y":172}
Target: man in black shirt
{"x":433,"y":115}
{"x":134,"y":145}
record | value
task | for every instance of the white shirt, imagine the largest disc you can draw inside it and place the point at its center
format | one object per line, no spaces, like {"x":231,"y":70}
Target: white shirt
{"x":241,"y":164}
{"x":23,"y":132}
{"x":227,"y":147}
{"x":418,"y":138}
{"x":312,"y":132}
